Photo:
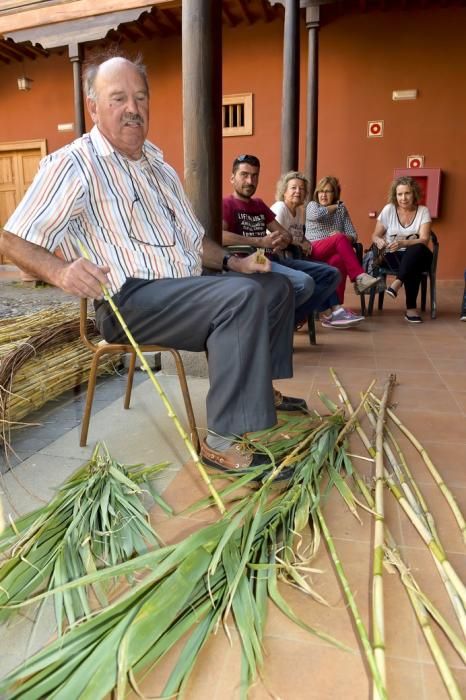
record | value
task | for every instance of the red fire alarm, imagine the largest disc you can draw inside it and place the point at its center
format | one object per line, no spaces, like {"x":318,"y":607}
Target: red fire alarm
{"x":415,"y":162}
{"x":375,"y":129}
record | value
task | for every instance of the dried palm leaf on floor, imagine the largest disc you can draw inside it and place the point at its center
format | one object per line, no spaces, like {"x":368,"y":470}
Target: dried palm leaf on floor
{"x":231,"y":566}
{"x":97,"y":519}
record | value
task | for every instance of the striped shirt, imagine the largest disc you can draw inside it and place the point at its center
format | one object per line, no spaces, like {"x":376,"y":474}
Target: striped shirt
{"x":130,"y":215}
{"x":320,"y":223}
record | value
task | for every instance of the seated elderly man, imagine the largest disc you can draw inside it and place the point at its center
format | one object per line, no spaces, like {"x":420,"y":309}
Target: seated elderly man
{"x":111,"y":192}
{"x":248,"y":220}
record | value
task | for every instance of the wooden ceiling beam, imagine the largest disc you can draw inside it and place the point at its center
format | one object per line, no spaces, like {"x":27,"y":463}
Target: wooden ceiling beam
{"x":148,"y":33}
{"x":13,"y":52}
{"x":128,"y":33}
{"x":3,"y":59}
{"x":247,"y":14}
{"x":267,"y":11}
{"x":172,"y":20}
{"x":76,"y":9}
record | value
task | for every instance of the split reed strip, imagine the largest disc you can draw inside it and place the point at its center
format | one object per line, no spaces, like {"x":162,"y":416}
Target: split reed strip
{"x":158,"y":387}
{"x":432,"y":469}
{"x":378,"y":620}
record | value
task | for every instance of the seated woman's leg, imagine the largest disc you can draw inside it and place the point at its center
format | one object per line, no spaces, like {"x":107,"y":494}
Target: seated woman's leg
{"x":338,"y":251}
{"x":411,"y":263}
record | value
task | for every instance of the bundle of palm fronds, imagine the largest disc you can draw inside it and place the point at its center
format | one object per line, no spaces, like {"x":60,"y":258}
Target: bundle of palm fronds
{"x":231,"y":566}
{"x":97,"y":519}
{"x":39,"y":367}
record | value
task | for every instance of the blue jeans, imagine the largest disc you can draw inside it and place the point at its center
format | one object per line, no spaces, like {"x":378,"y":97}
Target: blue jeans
{"x":304,"y":275}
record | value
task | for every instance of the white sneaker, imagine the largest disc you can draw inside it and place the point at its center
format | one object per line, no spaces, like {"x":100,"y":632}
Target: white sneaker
{"x":341,"y":318}
{"x":364,"y":282}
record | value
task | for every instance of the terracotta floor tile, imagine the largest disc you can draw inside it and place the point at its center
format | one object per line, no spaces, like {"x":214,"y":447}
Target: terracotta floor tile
{"x":448,"y":365}
{"x":447,"y":527}
{"x":456,"y":381}
{"x":446,"y":426}
{"x":425,"y":573}
{"x":354,"y":360}
{"x":318,"y":673}
{"x":423,"y":398}
{"x":434,"y":687}
{"x":404,"y":679}
{"x":449,"y":459}
{"x":397,"y":362}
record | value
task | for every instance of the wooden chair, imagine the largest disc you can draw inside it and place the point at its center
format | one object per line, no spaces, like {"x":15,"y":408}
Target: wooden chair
{"x":104,"y":348}
{"x":429,"y":274}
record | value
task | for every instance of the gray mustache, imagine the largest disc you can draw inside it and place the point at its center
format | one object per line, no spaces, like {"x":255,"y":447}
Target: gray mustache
{"x":133,"y":118}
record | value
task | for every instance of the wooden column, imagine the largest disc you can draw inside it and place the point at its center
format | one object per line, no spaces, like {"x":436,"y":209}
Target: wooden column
{"x":312,"y":24}
{"x":75,"y":54}
{"x":290,"y":93}
{"x":202,"y":110}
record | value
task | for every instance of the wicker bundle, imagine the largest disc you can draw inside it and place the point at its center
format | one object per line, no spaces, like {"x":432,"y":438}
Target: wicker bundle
{"x":38,"y":367}
{"x":14,"y":329}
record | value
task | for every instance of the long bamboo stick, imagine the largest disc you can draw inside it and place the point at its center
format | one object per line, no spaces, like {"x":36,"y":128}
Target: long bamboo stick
{"x":170,"y":410}
{"x":407,"y":579}
{"x":378,"y":621}
{"x":419,"y":507}
{"x":432,"y":469}
{"x":378,"y":679}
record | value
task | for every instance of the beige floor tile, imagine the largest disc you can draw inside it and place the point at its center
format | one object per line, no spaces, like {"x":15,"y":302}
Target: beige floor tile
{"x":434,"y":686}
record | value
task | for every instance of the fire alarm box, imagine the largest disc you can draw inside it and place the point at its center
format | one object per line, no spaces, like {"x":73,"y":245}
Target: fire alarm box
{"x":428,"y":180}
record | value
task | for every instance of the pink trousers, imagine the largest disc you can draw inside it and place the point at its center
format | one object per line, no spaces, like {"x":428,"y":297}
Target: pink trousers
{"x":337,"y":250}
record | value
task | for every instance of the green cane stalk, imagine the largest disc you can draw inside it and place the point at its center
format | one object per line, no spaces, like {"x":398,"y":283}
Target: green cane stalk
{"x":170,"y":410}
{"x":378,"y":622}
{"x":432,"y":469}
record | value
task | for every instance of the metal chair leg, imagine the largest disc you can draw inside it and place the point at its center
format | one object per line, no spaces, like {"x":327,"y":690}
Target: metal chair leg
{"x":186,"y":397}
{"x":129,"y":381}
{"x":89,"y":399}
{"x":311,"y":329}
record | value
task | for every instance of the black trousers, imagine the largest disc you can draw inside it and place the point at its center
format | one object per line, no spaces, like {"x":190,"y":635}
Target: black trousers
{"x":244,"y":322}
{"x":410,"y":264}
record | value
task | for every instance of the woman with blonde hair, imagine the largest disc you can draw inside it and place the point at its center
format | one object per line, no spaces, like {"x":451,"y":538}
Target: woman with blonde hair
{"x":292,"y":192}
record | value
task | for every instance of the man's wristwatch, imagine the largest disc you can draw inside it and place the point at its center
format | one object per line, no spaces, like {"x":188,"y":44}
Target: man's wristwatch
{"x":225,"y":262}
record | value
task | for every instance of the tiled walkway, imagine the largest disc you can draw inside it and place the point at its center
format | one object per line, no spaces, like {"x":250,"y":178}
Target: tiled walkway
{"x":430,"y":363}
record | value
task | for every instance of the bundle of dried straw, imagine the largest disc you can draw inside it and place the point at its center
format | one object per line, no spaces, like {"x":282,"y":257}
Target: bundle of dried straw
{"x":41,"y":356}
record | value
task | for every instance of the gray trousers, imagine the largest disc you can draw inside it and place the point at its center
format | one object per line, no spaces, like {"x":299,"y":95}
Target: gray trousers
{"x":244,"y":322}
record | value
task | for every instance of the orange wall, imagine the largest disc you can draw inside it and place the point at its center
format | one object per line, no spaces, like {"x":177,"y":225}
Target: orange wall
{"x":363,"y":57}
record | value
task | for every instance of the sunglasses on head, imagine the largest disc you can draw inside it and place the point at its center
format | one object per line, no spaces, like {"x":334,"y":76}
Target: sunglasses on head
{"x":250,"y":160}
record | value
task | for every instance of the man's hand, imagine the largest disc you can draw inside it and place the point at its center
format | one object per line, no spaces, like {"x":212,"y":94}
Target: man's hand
{"x":249,"y":264}
{"x":276,"y":240}
{"x":83,"y":278}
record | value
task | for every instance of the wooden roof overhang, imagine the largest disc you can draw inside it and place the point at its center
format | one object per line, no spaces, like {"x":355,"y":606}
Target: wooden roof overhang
{"x":36,"y":28}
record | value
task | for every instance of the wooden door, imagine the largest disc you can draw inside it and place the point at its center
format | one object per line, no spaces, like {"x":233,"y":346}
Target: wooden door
{"x":19,"y":162}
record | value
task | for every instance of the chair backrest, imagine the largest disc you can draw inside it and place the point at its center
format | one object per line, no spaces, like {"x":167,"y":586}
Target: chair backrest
{"x":435,"y":249}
